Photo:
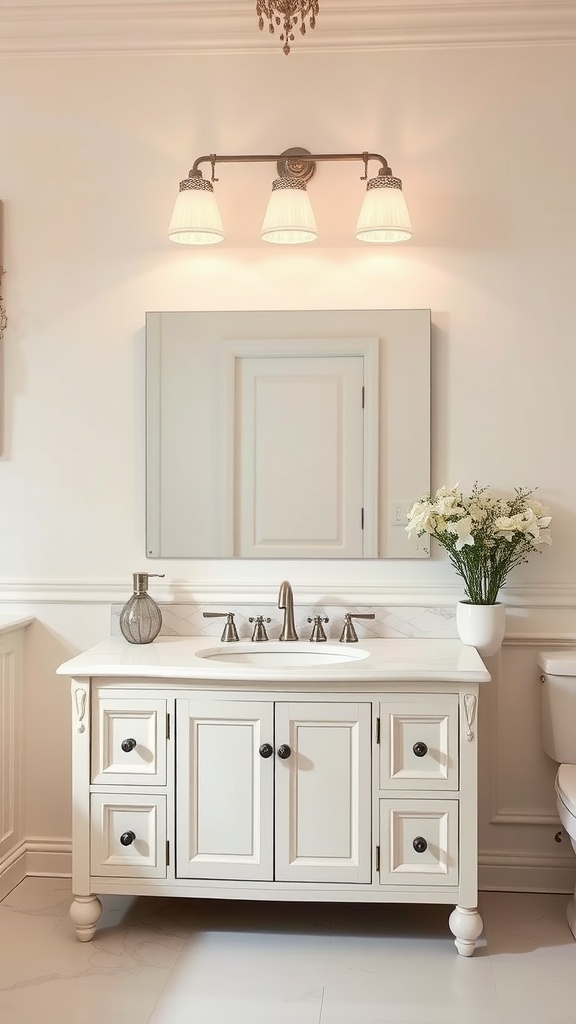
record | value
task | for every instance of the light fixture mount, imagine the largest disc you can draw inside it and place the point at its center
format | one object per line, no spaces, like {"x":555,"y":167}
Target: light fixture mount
{"x":284,"y":14}
{"x":293,"y":163}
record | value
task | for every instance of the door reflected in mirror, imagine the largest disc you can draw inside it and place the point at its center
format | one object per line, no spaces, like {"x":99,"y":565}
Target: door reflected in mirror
{"x":286,"y":434}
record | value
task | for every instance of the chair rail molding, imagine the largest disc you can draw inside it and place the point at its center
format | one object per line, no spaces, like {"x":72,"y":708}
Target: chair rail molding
{"x":230,"y":26}
{"x":49,"y":591}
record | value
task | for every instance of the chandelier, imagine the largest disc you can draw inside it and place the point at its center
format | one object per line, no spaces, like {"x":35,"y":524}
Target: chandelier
{"x":285,"y":13}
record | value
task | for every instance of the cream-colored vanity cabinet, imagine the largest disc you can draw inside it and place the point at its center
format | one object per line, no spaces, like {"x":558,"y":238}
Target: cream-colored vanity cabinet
{"x":273,"y":790}
{"x":304,"y":788}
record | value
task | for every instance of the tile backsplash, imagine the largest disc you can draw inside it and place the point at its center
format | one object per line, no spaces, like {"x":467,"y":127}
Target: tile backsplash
{"x":394,"y":621}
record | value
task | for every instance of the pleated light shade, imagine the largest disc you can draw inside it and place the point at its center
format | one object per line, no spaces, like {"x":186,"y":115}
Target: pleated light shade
{"x":384,"y":215}
{"x":289,"y":218}
{"x":196,"y":218}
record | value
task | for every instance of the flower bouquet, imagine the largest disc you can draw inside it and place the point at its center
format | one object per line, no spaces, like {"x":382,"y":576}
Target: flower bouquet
{"x":485,"y":536}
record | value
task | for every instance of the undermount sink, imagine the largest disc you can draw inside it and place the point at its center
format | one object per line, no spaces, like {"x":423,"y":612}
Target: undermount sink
{"x":283,"y":655}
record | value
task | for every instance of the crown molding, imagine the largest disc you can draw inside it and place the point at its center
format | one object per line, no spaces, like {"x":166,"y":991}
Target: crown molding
{"x":230,"y":26}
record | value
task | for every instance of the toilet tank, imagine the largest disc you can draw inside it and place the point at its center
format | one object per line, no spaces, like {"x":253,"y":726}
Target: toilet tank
{"x":558,"y":677}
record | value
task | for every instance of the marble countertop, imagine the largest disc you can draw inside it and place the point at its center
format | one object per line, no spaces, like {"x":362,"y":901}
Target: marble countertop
{"x":177,"y":657}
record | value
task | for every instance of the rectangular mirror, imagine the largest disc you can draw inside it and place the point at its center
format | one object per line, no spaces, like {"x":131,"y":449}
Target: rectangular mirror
{"x":286,"y":434}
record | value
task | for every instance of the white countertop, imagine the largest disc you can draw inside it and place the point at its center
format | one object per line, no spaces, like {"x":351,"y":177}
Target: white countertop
{"x":177,"y":657}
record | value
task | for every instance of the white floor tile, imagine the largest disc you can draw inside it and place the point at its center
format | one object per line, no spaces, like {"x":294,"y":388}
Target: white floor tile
{"x":443,"y":990}
{"x":531,"y":924}
{"x":170,"y":961}
{"x":542,"y":996}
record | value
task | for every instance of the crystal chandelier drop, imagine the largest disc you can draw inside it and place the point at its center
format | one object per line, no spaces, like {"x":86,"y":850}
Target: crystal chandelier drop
{"x":285,"y":13}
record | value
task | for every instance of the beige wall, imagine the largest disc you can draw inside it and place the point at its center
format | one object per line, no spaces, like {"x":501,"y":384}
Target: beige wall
{"x":92,"y":152}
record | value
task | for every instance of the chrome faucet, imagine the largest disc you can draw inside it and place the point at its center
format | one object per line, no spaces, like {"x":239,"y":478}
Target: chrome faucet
{"x":286,"y":602}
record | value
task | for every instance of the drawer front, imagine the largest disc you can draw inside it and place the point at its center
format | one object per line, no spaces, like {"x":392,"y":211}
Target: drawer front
{"x":128,"y":836}
{"x":419,"y":742}
{"x":128,"y":741}
{"x":418,"y":842}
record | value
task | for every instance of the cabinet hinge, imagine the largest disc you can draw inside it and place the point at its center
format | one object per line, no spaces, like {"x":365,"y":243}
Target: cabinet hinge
{"x":363,"y":395}
{"x":167,"y":852}
{"x":377,"y":730}
{"x":167,"y":727}
{"x":377,"y":858}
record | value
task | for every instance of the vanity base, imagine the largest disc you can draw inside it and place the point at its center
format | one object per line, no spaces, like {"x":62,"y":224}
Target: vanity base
{"x":465,"y":923}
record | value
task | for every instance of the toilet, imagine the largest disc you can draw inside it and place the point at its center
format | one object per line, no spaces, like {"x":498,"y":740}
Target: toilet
{"x":559,"y":738}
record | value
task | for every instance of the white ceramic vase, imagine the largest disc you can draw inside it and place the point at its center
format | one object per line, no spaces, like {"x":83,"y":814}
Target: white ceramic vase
{"x":481,"y":626}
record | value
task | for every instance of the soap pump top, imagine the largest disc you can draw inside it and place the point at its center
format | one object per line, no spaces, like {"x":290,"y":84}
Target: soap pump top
{"x":140,"y":580}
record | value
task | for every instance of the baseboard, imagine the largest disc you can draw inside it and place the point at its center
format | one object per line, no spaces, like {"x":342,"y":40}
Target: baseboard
{"x":501,"y":872}
{"x":49,"y":856}
{"x":12,"y":869}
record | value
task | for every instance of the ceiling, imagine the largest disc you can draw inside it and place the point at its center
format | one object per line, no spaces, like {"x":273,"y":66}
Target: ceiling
{"x":230,"y":26}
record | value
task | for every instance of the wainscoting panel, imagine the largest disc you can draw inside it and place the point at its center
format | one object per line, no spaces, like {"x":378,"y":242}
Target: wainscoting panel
{"x":11,"y":761}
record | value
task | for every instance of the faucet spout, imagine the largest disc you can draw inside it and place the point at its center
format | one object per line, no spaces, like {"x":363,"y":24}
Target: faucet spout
{"x":286,"y":602}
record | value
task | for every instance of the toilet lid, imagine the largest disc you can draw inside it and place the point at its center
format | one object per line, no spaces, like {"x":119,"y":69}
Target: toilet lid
{"x":566,"y":786}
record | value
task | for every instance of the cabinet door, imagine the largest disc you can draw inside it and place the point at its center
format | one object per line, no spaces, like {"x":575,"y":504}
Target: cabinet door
{"x":323,"y":802}
{"x":224,"y":789}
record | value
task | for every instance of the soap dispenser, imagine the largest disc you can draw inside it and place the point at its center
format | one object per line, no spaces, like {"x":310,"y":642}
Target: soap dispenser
{"x":141,"y":618}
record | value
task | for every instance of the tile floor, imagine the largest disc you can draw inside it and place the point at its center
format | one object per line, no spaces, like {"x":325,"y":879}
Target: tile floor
{"x":169,"y":961}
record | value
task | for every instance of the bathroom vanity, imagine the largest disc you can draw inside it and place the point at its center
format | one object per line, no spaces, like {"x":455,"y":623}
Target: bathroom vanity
{"x":277,"y":771}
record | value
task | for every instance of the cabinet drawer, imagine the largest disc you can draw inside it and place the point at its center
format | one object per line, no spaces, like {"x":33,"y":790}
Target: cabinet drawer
{"x":418,"y":842}
{"x":128,"y":741}
{"x":419,"y":742}
{"x":128,"y":835}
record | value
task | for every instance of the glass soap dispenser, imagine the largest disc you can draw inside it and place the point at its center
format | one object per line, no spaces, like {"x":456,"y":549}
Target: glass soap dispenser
{"x":141,"y":618}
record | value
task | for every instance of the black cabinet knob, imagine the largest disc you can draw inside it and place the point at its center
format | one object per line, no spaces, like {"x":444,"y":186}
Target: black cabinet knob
{"x":127,"y":838}
{"x":266,"y":750}
{"x":128,"y":745}
{"x":420,"y":844}
{"x":420,"y":749}
{"x":284,"y":751}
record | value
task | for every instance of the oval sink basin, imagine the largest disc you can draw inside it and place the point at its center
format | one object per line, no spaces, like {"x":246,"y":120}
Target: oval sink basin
{"x":289,"y":654}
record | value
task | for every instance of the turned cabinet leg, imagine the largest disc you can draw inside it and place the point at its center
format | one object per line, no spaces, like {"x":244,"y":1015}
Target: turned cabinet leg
{"x":85,"y":911}
{"x":466,"y":925}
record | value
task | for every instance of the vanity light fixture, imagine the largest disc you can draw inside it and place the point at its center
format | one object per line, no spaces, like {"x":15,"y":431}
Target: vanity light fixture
{"x":289,"y":218}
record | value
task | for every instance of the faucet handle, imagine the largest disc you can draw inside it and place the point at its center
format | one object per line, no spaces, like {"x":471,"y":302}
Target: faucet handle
{"x":318,"y":632}
{"x":259,"y":631}
{"x":230,"y":632}
{"x":348,"y":632}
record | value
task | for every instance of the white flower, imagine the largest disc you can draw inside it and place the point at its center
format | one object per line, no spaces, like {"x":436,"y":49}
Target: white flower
{"x":462,"y":529}
{"x":485,"y":536}
{"x":421,"y":518}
